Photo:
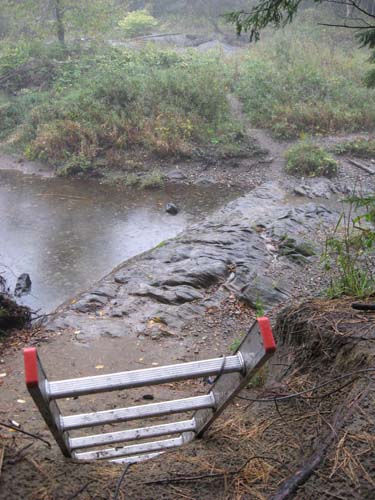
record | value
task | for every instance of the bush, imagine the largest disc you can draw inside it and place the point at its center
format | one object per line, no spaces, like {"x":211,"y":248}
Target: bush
{"x":110,"y":101}
{"x":293,"y":83}
{"x":357,"y":147}
{"x":348,"y":255}
{"x":308,"y":159}
{"x":138,"y":22}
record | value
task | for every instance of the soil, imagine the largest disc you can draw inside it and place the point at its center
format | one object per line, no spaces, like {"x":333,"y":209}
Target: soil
{"x":259,"y":442}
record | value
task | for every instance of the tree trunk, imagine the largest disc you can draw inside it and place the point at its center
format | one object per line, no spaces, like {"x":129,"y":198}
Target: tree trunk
{"x":59,"y":16}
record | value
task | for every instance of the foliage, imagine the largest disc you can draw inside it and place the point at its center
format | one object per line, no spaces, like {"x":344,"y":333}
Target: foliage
{"x":309,"y":159}
{"x":358,"y":147}
{"x":103,"y":102}
{"x":279,"y":13}
{"x":39,"y":19}
{"x":154,"y":179}
{"x":293,"y":84}
{"x":138,"y":22}
{"x":349,"y":251}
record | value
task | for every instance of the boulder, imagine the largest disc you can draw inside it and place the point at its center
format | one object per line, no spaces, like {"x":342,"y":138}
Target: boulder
{"x":171,"y":209}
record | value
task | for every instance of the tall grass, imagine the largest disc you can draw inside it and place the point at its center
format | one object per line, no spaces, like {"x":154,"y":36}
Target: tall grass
{"x":303,"y":80}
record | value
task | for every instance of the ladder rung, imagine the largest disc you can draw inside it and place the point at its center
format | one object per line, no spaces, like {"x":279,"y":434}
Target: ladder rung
{"x":135,"y":412}
{"x":135,"y":459}
{"x":135,"y":449}
{"x":148,"y":376}
{"x":132,"y":434}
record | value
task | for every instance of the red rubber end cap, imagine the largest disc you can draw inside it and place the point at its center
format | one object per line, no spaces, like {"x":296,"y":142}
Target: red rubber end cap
{"x":30,"y":359}
{"x":267,"y":336}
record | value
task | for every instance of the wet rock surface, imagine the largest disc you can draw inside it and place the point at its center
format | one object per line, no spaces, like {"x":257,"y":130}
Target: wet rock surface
{"x":171,"y":209}
{"x":250,"y":249}
{"x":23,"y":285}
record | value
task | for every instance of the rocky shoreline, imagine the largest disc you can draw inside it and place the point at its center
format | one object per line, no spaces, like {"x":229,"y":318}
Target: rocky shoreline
{"x":253,"y":248}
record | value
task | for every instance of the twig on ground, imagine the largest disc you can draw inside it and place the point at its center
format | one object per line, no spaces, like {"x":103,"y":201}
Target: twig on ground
{"x":315,"y":388}
{"x":118,"y":486}
{"x":184,"y":479}
{"x":2,"y":452}
{"x":35,"y":436}
{"x":81,"y":490}
{"x":19,"y":456}
{"x":290,"y":485}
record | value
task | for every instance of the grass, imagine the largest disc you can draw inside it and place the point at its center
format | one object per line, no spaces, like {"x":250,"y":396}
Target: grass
{"x":94,"y":106}
{"x":364,"y":148}
{"x":153,"y":180}
{"x":348,"y":257}
{"x":300,"y":80}
{"x":310,"y":160}
{"x":104,"y":103}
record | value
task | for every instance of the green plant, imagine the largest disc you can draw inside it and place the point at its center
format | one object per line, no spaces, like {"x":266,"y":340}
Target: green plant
{"x":138,"y":22}
{"x":259,"y":308}
{"x":154,"y":179}
{"x":358,"y":147}
{"x":106,"y":103}
{"x":131,"y":180}
{"x":235,"y":345}
{"x":348,"y":252}
{"x":309,"y":159}
{"x":300,"y":80}
{"x":259,"y":379}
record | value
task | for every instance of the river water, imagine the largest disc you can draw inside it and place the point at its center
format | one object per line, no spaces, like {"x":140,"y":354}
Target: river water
{"x":67,"y":234}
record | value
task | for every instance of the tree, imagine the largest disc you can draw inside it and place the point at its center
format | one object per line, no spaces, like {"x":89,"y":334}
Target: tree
{"x":40,"y":18}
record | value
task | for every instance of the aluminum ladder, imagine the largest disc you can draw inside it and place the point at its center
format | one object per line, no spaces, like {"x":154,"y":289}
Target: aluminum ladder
{"x":232,"y":374}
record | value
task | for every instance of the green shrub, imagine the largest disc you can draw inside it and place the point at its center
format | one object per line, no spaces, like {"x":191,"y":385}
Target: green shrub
{"x":138,"y":22}
{"x":293,"y":83}
{"x":153,"y":180}
{"x":348,"y":256}
{"x":358,"y":147}
{"x":308,"y":159}
{"x":110,"y":101}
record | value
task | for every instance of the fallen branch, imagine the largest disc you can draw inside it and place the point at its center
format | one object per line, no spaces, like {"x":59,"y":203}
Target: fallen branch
{"x":186,"y":479}
{"x":57,"y":195}
{"x":2,"y":452}
{"x":367,"y":169}
{"x":290,"y":486}
{"x":81,"y":490}
{"x":274,"y":399}
{"x":35,"y":436}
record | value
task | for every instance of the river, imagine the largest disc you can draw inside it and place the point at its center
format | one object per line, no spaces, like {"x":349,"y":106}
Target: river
{"x":69,"y":233}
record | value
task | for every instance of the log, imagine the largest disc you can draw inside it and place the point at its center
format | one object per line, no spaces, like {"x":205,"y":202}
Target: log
{"x":366,"y":168}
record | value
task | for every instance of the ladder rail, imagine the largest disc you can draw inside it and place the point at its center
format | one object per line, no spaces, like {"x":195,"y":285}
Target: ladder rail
{"x":138,"y":378}
{"x":132,"y":434}
{"x":136,"y":449}
{"x":79,"y":421}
